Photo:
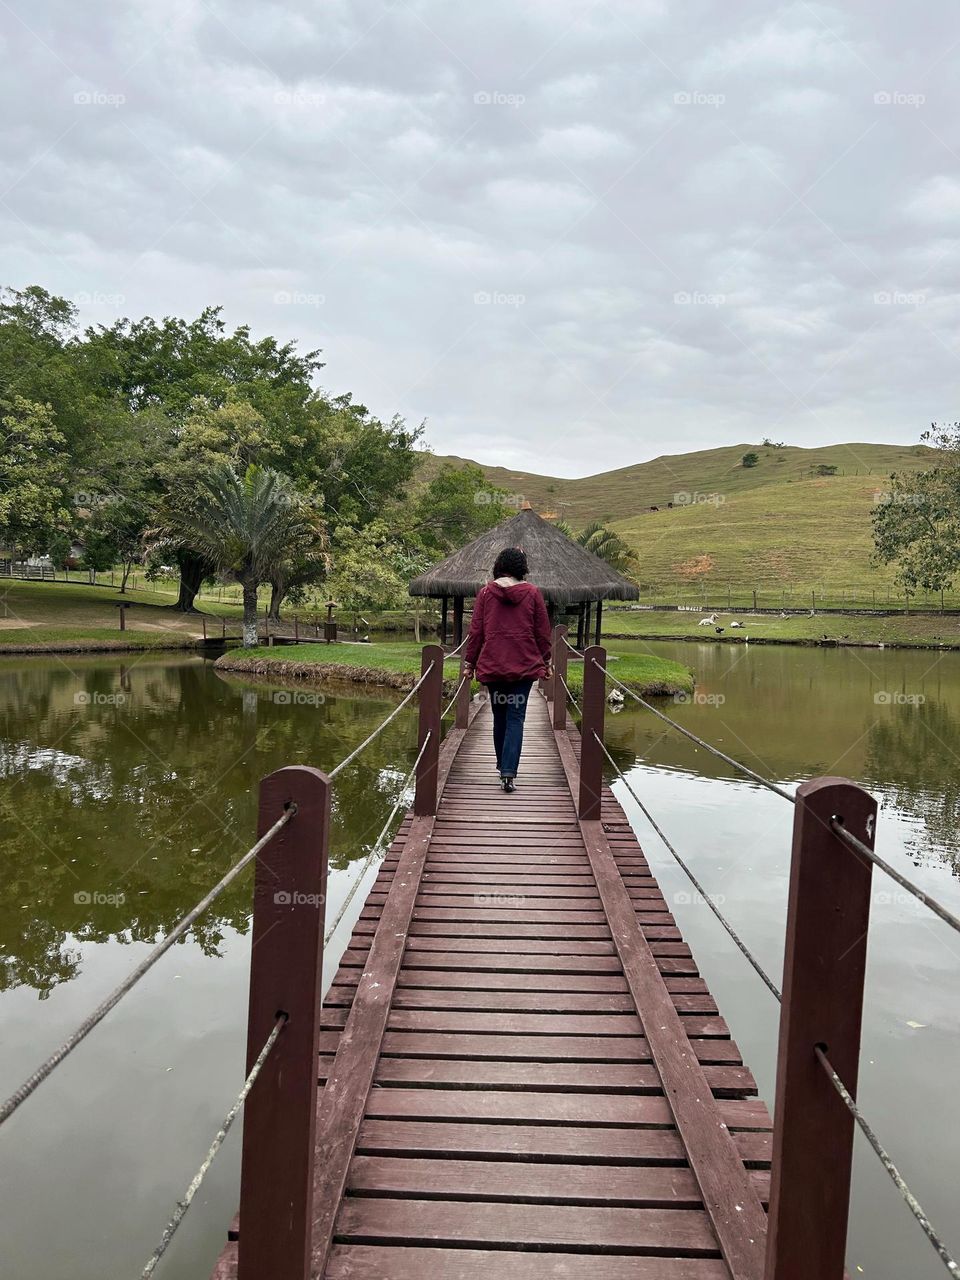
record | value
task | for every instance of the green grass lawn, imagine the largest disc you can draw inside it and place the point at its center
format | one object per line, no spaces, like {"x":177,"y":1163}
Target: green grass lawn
{"x":399,"y":665}
{"x":848,"y":628}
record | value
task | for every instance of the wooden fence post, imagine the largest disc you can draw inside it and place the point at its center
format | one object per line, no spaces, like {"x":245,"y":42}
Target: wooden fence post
{"x":825,"y":958}
{"x":592,"y":704}
{"x":279,"y":1124}
{"x":431,"y":694}
{"x":560,"y":653}
{"x":462,"y":708}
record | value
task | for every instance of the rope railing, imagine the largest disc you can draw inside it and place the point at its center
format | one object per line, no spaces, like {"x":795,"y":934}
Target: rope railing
{"x":380,"y":727}
{"x":707,"y":898}
{"x":183,"y":1205}
{"x":570,"y":696}
{"x":913,"y":1204}
{"x":837,"y":827}
{"x":161,"y":948}
{"x":368,"y":861}
{"x":453,"y":701}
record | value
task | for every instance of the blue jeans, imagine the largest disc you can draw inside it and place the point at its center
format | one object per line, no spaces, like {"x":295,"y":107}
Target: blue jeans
{"x":508,"y":700}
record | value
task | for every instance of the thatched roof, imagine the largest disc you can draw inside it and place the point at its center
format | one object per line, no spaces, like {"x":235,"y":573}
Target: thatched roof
{"x":560,"y":567}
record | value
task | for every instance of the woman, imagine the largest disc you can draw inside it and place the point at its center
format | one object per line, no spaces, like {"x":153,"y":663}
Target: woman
{"x":508,"y":647}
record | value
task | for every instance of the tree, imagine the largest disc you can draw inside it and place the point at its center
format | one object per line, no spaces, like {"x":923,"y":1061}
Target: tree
{"x":456,"y":506}
{"x":243,"y":525}
{"x":33,"y":475}
{"x":916,"y":523}
{"x":750,"y":459}
{"x":99,"y":552}
{"x":603,"y":542}
{"x":369,"y":569}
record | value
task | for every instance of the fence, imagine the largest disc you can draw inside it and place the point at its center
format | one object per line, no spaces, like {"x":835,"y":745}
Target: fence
{"x":823,"y":598}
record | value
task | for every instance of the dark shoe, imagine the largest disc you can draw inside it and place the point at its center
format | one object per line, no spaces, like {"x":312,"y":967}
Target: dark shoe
{"x":508,"y":785}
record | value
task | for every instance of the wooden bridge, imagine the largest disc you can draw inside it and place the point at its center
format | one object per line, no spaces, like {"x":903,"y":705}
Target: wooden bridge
{"x":521,"y":1071}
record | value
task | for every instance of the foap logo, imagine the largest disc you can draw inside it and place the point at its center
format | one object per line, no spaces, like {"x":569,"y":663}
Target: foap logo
{"x":697,"y":98}
{"x":92,"y":500}
{"x":498,"y":899}
{"x":97,"y":299}
{"x":884,"y":497}
{"x":698,"y":699}
{"x":298,"y":98}
{"x":484,"y":299}
{"x":684,"y":898}
{"x":94,"y":898}
{"x":497,"y":98}
{"x":297,"y":698}
{"x":892,"y":898}
{"x":485,"y":498}
{"x":695,"y":299}
{"x":96,"y":98}
{"x":898,"y":298}
{"x":294,"y":898}
{"x":297,"y":298}
{"x":685,"y":499}
{"x":897,"y":698}
{"x":84,"y":698}
{"x":897,"y":98}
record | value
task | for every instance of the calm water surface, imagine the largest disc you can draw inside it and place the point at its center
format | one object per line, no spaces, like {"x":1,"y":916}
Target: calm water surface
{"x":127,"y":788}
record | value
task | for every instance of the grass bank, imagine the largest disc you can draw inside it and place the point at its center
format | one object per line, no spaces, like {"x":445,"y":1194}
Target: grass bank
{"x":398,"y":666}
{"x":843,"y":629}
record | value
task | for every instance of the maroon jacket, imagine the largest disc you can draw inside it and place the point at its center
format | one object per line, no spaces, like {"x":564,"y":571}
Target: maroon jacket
{"x":509,"y":633}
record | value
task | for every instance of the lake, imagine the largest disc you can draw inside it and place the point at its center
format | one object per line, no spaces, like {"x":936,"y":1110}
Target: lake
{"x":128,"y":786}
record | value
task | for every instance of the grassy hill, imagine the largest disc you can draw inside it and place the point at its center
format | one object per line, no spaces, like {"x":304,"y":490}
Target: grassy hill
{"x":621,"y":494}
{"x":777,"y":527}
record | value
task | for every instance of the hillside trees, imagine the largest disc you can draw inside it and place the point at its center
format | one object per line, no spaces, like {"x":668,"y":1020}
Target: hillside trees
{"x":916,"y":524}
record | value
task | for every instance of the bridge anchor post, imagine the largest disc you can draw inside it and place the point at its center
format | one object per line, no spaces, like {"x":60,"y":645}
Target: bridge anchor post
{"x":286,"y":958}
{"x":558,"y":694}
{"x":431,"y":696}
{"x":592,"y":704}
{"x":824,"y":963}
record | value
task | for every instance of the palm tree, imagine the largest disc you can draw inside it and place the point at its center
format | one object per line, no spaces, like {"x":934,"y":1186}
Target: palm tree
{"x":246,"y":526}
{"x":603,"y":542}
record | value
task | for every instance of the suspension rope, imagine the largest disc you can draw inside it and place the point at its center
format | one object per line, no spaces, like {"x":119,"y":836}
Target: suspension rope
{"x":368,"y":862}
{"x":936,"y":907}
{"x":693,"y":879}
{"x":913,"y":1204}
{"x":456,"y":693}
{"x":764,"y":782}
{"x":380,"y":727}
{"x":183,"y":1205}
{"x":453,"y":652}
{"x":162,"y":947}
{"x":569,"y":694}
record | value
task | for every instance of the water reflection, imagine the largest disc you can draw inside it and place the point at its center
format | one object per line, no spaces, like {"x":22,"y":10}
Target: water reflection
{"x":127,"y":789}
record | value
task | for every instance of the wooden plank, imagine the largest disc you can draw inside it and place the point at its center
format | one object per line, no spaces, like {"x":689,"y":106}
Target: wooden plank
{"x":532,"y":1048}
{"x":376,"y":1262}
{"x":686,"y":1232}
{"x":729,"y":1197}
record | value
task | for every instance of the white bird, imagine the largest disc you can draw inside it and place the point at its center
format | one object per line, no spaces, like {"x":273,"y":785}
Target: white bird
{"x":615,"y":697}
{"x":709,"y":620}
{"x":735,"y":624}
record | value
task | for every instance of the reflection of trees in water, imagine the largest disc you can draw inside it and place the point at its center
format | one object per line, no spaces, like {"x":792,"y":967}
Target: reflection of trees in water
{"x":913,"y":753}
{"x":155,"y":798}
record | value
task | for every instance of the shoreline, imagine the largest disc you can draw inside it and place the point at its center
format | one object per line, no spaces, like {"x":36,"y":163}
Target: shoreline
{"x":799,"y":642}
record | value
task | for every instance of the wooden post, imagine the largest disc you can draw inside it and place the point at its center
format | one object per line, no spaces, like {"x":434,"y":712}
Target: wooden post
{"x":825,"y":959}
{"x":592,"y":703}
{"x":443,"y":621}
{"x":457,"y":621}
{"x":123,"y":617}
{"x":596,"y":630}
{"x":296,"y":629}
{"x":279,"y":1125}
{"x":560,"y":653}
{"x":580,"y":640}
{"x":462,"y":708}
{"x":754,"y":599}
{"x":431,"y":693}
{"x":204,"y":624}
{"x":223,"y":628}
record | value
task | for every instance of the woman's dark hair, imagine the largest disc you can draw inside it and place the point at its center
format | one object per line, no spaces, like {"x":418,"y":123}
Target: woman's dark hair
{"x":511,"y":563}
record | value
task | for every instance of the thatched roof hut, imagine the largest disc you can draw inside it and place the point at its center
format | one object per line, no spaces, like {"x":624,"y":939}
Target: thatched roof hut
{"x":571,"y":578}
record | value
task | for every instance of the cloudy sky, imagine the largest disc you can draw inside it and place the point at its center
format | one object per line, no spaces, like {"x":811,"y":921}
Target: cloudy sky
{"x":569,"y":235}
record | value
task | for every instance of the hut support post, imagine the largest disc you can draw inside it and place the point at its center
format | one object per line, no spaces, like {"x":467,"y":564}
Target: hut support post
{"x":580,"y":608}
{"x":457,"y":621}
{"x":587,"y":611}
{"x":596,"y":630}
{"x":443,"y":622}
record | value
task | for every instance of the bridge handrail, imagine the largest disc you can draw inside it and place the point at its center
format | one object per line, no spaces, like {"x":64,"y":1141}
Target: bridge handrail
{"x":795,"y":1098}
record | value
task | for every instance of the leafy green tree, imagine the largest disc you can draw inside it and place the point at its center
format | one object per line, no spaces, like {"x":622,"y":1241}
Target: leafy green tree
{"x":369,"y":570}
{"x":457,"y":505}
{"x":243,"y":526}
{"x":750,"y":459}
{"x":916,"y":523}
{"x":33,"y":471}
{"x":99,"y":551}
